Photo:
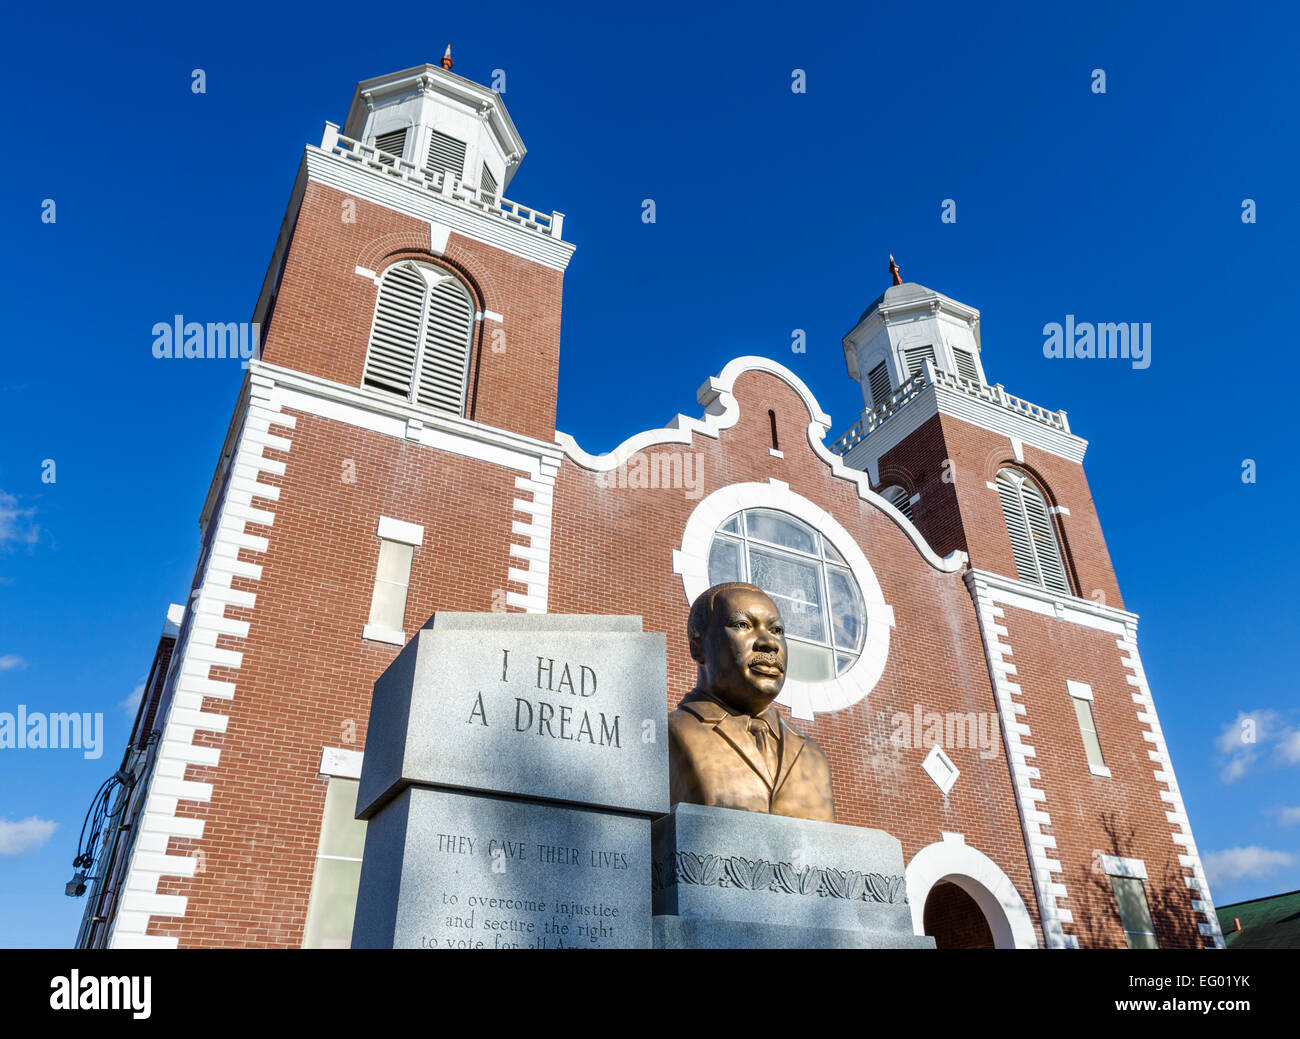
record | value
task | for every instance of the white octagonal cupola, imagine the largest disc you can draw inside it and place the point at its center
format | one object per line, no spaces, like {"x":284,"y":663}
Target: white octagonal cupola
{"x":904,"y":328}
{"x":439,"y":123}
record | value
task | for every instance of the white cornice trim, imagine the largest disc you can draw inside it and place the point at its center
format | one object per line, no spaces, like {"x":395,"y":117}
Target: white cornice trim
{"x":1012,"y":424}
{"x":1052,"y":604}
{"x":935,"y":400}
{"x":866,"y":453}
{"x":403,"y":413}
{"x":722,"y":412}
{"x":353,"y":179}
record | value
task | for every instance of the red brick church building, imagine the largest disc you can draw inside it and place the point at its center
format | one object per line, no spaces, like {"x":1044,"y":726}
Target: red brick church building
{"x":958,"y":641}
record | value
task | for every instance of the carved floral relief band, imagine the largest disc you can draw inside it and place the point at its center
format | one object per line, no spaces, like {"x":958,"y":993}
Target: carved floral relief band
{"x":688,"y":867}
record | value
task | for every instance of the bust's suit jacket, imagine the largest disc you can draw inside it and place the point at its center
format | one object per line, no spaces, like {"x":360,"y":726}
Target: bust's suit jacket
{"x":713,"y":760}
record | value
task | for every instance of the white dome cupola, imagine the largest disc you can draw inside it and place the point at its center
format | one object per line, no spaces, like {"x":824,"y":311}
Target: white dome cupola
{"x":439,"y":123}
{"x":906,"y":326}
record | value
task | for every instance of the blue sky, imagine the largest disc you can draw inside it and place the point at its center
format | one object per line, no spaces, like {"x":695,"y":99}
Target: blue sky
{"x":775,"y":211}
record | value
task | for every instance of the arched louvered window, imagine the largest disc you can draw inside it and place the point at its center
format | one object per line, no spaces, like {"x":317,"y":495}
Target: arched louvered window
{"x":1033,"y":538}
{"x":420,"y":342}
{"x":899,"y":499}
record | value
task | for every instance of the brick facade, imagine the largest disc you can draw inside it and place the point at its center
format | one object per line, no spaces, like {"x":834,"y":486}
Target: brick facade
{"x":511,"y":521}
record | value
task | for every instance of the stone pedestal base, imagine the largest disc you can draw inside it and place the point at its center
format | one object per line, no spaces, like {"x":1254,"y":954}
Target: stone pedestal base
{"x":444,"y":869}
{"x":689,"y":932}
{"x":729,"y":879}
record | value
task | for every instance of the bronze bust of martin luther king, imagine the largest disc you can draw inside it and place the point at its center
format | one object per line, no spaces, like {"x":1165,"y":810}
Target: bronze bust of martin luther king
{"x":727,"y":746}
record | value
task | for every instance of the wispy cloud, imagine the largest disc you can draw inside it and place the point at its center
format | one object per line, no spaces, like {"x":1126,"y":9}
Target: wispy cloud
{"x":132,"y":702}
{"x":12,"y":662}
{"x":1289,"y":815}
{"x":1288,"y":747}
{"x":16,"y":526}
{"x":1239,"y":863}
{"x":1255,"y":738}
{"x":18,"y":838}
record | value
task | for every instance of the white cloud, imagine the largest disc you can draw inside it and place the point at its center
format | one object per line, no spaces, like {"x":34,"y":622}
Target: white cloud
{"x":12,"y":662}
{"x":16,"y":838}
{"x":15,"y":523}
{"x":1289,"y":816}
{"x":1238,"y":863}
{"x":1288,"y":747}
{"x":1248,"y":739}
{"x":132,"y":703}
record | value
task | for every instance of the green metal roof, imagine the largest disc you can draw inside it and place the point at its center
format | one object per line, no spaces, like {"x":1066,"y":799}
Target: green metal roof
{"x":1266,"y":923}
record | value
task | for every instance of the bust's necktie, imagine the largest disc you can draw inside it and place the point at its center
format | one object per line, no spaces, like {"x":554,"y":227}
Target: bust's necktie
{"x":765,"y":741}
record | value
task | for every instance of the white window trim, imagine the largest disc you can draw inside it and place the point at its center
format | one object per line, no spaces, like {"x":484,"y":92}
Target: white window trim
{"x":1131,"y":869}
{"x":378,"y":634}
{"x":1083,"y":691}
{"x":691,"y":562}
{"x":1116,"y":866}
{"x":1080,"y":690}
{"x":399,"y":530}
{"x":403,"y":533}
{"x":340,"y":762}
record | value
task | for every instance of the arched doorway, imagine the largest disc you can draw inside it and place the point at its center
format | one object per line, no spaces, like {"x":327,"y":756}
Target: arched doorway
{"x":974,"y":900}
{"x":954,"y":920}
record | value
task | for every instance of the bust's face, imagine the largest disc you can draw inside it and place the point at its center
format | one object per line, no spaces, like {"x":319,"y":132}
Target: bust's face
{"x":744,"y":652}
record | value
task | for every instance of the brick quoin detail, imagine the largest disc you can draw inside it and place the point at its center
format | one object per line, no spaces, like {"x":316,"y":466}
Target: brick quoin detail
{"x":307,"y":674}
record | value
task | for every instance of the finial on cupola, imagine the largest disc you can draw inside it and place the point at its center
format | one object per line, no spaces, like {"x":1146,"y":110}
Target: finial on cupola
{"x":446,"y":59}
{"x":894,"y":270}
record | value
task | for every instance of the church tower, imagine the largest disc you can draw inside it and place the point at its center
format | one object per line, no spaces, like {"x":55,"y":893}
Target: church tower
{"x":391,"y":453}
{"x":983,"y":472}
{"x":462,"y":310}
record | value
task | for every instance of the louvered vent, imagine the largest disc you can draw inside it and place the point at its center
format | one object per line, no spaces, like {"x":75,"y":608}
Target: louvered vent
{"x":446,"y":349}
{"x":395,"y":339}
{"x":899,"y":499}
{"x":424,"y":322}
{"x":878,"y":379}
{"x":1033,"y":539}
{"x":487,"y":184}
{"x":966,"y":365}
{"x":446,"y":155}
{"x":917,"y":357}
{"x":393,"y":143}
{"x":1044,"y":538}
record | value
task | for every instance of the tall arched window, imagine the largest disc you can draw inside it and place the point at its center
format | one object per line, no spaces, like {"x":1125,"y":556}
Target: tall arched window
{"x":1033,"y":538}
{"x":420,"y":342}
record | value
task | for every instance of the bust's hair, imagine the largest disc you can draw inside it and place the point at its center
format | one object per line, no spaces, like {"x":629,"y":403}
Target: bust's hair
{"x":702,"y":608}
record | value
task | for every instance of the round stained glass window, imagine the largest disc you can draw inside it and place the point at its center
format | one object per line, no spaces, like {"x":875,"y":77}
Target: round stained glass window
{"x":811,"y":584}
